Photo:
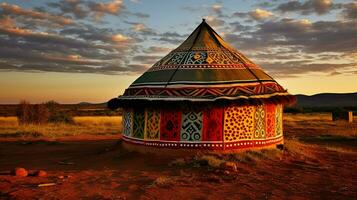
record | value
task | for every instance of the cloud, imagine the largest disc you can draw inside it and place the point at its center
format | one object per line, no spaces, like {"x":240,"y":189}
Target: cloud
{"x":350,"y":11}
{"x":266,"y":4}
{"x":75,"y":7}
{"x":108,"y":69}
{"x":141,"y":28}
{"x":214,"y":21}
{"x":139,"y":14}
{"x":82,"y":48}
{"x":311,"y":37}
{"x":113,"y":8}
{"x":33,"y":40}
{"x":83,"y":9}
{"x":260,"y":14}
{"x":146,"y":59}
{"x":34,"y":56}
{"x":173,"y":41}
{"x":156,"y":50}
{"x":217,"y":9}
{"x":319,"y":7}
{"x":239,"y":14}
{"x":334,"y":73}
{"x":257,"y":14}
{"x":7,"y":22}
{"x":296,"y":68}
{"x":120,"y":38}
{"x":15,"y":11}
{"x":29,"y":43}
{"x":45,"y":38}
{"x":170,"y":37}
{"x":238,"y":27}
{"x":291,"y":47}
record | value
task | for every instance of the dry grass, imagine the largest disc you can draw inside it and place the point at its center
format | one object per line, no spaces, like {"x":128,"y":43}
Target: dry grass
{"x":98,"y":121}
{"x":163,"y":181}
{"x":212,"y":160}
{"x":9,"y":127}
{"x":317,"y":124}
{"x":299,"y":149}
{"x":8,"y":121}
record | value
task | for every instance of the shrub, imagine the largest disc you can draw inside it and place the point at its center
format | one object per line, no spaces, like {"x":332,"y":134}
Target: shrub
{"x":42,"y":113}
{"x":24,"y":113}
{"x":57,"y":115}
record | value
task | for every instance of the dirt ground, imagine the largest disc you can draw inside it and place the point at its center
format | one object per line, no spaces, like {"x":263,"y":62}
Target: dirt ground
{"x":314,"y":165}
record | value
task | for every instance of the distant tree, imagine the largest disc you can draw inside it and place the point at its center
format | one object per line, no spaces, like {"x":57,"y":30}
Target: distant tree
{"x":52,"y":106}
{"x":24,"y":113}
{"x":58,"y":115}
{"x":42,"y":113}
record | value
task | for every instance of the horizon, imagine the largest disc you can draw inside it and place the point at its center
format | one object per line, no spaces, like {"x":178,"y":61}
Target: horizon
{"x":89,"y":102}
{"x":88,"y":51}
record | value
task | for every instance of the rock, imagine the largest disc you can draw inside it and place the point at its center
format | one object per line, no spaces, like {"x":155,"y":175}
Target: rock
{"x":229,"y":166}
{"x":19,"y":171}
{"x":64,"y":176}
{"x":41,"y":173}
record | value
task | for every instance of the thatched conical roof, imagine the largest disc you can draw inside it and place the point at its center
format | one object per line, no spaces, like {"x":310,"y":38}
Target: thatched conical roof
{"x":204,"y":68}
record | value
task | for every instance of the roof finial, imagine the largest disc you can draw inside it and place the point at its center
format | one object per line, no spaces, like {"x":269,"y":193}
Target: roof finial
{"x":203,"y":20}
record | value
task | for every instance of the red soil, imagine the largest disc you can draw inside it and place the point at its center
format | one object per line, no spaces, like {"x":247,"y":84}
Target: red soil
{"x":102,"y":169}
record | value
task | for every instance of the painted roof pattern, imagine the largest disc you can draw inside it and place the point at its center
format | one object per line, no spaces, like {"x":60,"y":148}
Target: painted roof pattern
{"x":203,"y":68}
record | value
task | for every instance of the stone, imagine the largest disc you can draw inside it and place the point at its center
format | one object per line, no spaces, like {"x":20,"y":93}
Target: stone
{"x":19,"y":171}
{"x":41,"y":173}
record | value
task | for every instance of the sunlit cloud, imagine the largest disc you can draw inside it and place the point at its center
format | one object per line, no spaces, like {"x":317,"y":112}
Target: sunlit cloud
{"x":18,"y":11}
{"x":259,"y":14}
{"x":80,"y":44}
{"x":319,"y":7}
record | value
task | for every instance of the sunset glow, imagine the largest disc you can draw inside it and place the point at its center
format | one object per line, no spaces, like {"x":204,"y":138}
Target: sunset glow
{"x":90,"y":51}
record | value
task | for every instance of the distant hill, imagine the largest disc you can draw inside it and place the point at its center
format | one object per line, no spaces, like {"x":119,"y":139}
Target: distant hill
{"x":327,"y":100}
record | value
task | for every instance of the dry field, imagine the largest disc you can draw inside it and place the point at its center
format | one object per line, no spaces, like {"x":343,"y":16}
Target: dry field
{"x":319,"y":161}
{"x":84,"y":125}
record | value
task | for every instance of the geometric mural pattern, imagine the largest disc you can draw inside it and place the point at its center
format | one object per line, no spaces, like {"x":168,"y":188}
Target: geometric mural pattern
{"x":170,"y":125}
{"x":279,"y":120}
{"x":139,"y":124}
{"x":210,"y":92}
{"x":212,"y":124}
{"x":152,"y":129}
{"x":191,"y":128}
{"x":270,"y":120}
{"x":238,"y":123}
{"x":215,"y":124}
{"x":203,"y":59}
{"x":127,"y":122}
{"x":259,"y":119}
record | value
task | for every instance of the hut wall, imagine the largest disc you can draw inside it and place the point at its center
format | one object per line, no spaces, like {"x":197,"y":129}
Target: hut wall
{"x":228,"y":127}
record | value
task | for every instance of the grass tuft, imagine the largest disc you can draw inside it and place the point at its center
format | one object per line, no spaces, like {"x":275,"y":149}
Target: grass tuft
{"x":163,"y":181}
{"x":9,"y":127}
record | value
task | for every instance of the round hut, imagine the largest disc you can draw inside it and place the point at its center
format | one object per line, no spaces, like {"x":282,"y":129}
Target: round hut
{"x":204,"y":95}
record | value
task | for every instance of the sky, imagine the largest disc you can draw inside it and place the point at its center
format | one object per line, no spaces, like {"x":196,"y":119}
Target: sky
{"x":75,"y":51}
